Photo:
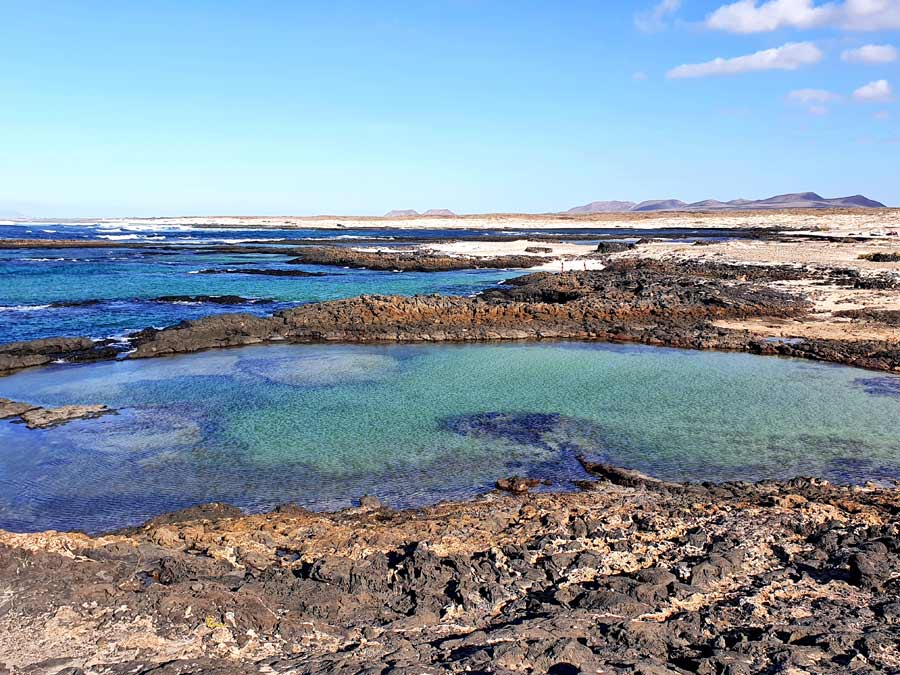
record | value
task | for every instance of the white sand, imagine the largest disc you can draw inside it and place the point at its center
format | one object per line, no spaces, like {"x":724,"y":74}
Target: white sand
{"x":562,"y":255}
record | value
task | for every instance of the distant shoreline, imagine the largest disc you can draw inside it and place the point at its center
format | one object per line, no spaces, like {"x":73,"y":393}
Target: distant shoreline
{"x":802,"y":218}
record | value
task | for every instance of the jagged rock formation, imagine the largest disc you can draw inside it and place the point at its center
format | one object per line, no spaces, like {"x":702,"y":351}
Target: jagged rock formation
{"x":628,"y":576}
{"x":412,"y":261}
{"x":18,"y":355}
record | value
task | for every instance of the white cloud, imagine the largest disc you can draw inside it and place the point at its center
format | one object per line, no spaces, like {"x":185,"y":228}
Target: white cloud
{"x":791,"y":56}
{"x":872,"y":54}
{"x":877,"y":91}
{"x":753,"y":16}
{"x":654,"y":19}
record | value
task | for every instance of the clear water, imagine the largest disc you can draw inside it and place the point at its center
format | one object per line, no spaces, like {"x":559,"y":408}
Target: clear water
{"x":322,"y":425}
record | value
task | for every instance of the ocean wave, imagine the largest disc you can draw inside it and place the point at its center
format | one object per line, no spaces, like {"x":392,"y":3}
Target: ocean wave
{"x":131,"y":237}
{"x":349,"y":236}
{"x":131,"y":227}
{"x":23,"y":308}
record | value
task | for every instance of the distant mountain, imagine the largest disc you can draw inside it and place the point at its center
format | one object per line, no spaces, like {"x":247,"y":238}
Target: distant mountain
{"x":794,"y":200}
{"x":439,"y":212}
{"x":603,"y":207}
{"x":660,"y":205}
{"x":11,"y":214}
{"x":401,"y":213}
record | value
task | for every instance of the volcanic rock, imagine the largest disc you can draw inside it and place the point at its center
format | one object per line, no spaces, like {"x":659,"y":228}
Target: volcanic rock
{"x":42,"y":418}
{"x":263,"y":272}
{"x":13,"y":408}
{"x":413,"y":261}
{"x":648,"y":578}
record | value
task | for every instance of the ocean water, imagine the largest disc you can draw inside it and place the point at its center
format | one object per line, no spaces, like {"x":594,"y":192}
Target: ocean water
{"x":321,"y":425}
{"x":124,"y":281}
{"x":42,"y":291}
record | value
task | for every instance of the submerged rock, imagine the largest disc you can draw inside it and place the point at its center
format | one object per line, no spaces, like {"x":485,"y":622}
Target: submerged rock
{"x":518,"y":485}
{"x":263,"y":272}
{"x":76,"y":303}
{"x":880,"y":386}
{"x":212,"y":299}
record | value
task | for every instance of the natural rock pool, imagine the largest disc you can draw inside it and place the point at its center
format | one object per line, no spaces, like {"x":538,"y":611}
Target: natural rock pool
{"x":321,"y":425}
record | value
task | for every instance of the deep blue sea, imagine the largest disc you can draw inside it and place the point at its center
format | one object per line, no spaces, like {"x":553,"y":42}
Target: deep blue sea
{"x":102,"y":293}
{"x":106,"y":293}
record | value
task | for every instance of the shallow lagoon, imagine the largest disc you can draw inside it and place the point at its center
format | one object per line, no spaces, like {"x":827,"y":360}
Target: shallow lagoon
{"x":322,"y":425}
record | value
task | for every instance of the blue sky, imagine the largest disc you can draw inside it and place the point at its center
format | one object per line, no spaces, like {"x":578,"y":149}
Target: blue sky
{"x":215,"y":107}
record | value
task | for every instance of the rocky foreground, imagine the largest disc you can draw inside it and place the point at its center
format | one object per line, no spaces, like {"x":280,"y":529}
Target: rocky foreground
{"x":629,"y":575}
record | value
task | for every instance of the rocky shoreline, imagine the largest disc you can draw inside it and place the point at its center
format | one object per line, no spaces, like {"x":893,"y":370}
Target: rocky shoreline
{"x":628,"y":575}
{"x":407,"y":261}
{"x":668,"y":303}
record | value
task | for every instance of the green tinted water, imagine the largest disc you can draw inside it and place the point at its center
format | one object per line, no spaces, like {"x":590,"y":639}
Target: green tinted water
{"x":322,"y":425}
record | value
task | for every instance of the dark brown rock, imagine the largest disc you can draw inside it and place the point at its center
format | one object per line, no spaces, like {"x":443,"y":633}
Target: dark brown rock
{"x":413,"y":261}
{"x":43,"y":418}
{"x":542,"y":582}
{"x":518,"y":485}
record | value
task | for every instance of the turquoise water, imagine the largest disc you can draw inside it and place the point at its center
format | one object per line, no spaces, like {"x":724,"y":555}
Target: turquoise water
{"x":322,"y":425}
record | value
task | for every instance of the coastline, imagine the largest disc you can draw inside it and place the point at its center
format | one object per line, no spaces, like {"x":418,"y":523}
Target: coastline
{"x":650,"y":577}
{"x":696,"y":301}
{"x":839,"y":221}
{"x":628,"y":574}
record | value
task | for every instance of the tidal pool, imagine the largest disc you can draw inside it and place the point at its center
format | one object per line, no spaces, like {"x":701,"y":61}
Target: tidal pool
{"x":321,"y":425}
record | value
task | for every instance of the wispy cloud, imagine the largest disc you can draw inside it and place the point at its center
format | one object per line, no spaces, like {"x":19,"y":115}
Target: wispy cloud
{"x":813,"y":96}
{"x":871,"y":54}
{"x":752,"y":16}
{"x":815,"y":100}
{"x":882,"y":116}
{"x":790,"y":56}
{"x":639,"y":76}
{"x":878,"y":91}
{"x":656,"y":18}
